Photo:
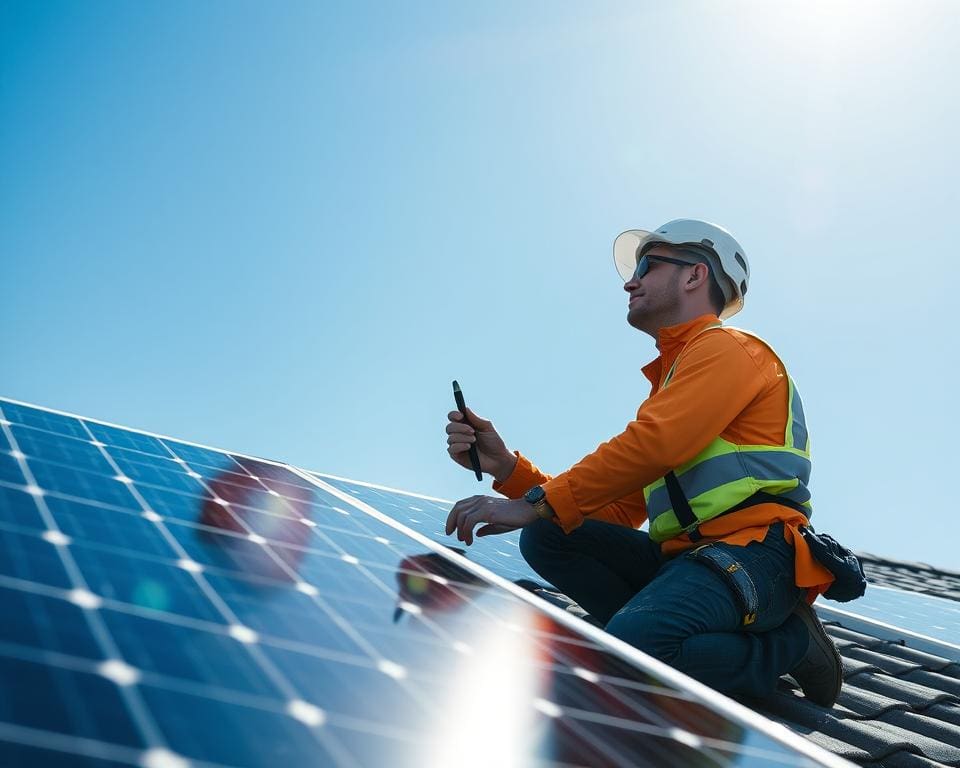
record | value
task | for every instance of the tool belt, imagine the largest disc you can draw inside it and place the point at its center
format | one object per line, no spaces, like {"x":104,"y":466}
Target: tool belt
{"x":849,"y":583}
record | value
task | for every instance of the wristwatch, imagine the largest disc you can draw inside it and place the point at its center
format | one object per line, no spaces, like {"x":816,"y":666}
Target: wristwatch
{"x":538,"y":498}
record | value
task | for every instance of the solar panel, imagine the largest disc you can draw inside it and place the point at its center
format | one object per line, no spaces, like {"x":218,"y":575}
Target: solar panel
{"x":167,"y":604}
{"x":932,"y":617}
{"x":926,"y":614}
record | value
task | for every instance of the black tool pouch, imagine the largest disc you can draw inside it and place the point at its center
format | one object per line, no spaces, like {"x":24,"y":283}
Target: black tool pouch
{"x":849,"y":581}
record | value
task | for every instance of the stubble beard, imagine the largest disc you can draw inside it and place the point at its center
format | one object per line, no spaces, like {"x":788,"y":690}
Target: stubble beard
{"x":660,"y":310}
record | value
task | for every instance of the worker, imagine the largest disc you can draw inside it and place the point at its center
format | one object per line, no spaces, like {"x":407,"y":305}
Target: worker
{"x":717,"y":462}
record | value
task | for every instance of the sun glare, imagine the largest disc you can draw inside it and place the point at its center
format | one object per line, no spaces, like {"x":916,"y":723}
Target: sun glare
{"x":488,"y":718}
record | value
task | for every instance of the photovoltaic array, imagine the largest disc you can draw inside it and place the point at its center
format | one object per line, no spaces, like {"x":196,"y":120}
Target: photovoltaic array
{"x":166,"y":604}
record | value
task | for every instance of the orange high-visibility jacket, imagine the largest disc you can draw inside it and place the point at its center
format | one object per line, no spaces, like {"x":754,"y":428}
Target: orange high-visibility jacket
{"x":727,"y":384}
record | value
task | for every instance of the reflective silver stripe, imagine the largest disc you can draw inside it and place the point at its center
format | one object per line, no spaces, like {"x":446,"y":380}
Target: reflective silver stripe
{"x":720,"y":470}
{"x":776,"y":465}
{"x":799,"y":423}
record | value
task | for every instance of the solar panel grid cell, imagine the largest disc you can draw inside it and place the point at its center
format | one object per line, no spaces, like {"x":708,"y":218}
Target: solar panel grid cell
{"x":122,"y":438}
{"x":57,"y":423}
{"x":24,"y":748}
{"x":18,"y":508}
{"x":205,"y":657}
{"x":99,"y":526}
{"x":154,"y":585}
{"x":81,"y":485}
{"x":236,"y":634}
{"x":71,"y":701}
{"x":27,"y":557}
{"x":33,"y":620}
{"x":10,"y":470}
{"x":57,"y":449}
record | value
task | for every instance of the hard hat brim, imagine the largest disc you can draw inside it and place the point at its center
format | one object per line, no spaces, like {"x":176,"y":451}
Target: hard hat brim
{"x":629,"y":243}
{"x":625,"y":251}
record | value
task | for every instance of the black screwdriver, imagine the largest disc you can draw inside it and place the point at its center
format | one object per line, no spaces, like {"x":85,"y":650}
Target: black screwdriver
{"x":461,"y":406}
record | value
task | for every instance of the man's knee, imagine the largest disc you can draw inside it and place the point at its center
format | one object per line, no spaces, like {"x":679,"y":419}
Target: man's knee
{"x":538,"y":538}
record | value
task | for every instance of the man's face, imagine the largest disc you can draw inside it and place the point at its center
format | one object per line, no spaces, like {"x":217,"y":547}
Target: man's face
{"x":657,"y":294}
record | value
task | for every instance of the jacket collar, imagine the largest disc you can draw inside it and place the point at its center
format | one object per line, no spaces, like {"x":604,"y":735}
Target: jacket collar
{"x":670,"y":341}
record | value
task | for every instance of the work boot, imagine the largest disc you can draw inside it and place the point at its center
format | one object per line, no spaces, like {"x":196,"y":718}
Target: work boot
{"x":820,"y":671}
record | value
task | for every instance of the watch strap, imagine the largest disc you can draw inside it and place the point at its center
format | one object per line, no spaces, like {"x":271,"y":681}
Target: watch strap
{"x":537,"y":498}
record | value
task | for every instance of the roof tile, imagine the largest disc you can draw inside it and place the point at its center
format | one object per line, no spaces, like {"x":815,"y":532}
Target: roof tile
{"x":949,"y":713}
{"x":914,"y":695}
{"x":905,"y":760}
{"x":866,"y":704}
{"x":928,"y":746}
{"x":877,"y":739}
{"x":935,"y":680}
{"x":853,"y":667}
{"x":858,"y":638}
{"x":796,"y":710}
{"x":880,"y":660}
{"x":929,"y":727}
{"x":928,"y":660}
{"x":837,"y":746}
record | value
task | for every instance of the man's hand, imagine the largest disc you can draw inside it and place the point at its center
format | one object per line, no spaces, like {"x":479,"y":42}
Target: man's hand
{"x":500,"y":516}
{"x":495,"y":458}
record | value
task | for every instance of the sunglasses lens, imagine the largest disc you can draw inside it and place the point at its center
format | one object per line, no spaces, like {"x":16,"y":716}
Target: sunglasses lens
{"x":643,"y":266}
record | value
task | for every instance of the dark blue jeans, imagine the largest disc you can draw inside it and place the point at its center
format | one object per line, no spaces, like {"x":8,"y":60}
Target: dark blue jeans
{"x":685,"y":611}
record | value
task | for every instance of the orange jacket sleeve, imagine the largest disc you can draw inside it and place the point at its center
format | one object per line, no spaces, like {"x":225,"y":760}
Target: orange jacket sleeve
{"x":714,"y":380}
{"x":630,"y":511}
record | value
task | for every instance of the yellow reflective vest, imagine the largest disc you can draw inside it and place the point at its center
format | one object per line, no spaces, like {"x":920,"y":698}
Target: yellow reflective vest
{"x":725,"y":476}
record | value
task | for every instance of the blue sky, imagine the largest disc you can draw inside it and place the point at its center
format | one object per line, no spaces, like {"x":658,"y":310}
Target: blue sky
{"x":284,"y":228}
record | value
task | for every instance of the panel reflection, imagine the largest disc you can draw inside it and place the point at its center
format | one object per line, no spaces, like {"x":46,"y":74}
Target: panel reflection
{"x":543,"y":691}
{"x":465,"y":657}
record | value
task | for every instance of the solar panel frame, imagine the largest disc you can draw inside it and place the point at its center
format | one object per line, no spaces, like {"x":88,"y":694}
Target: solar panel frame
{"x":278,"y":473}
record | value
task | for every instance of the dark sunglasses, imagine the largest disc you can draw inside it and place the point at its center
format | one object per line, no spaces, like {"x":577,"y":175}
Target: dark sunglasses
{"x":643,"y":266}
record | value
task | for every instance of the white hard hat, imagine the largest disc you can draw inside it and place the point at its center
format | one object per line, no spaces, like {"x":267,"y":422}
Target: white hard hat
{"x":731,"y":261}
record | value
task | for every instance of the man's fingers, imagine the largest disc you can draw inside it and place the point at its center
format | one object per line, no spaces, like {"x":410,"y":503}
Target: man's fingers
{"x":459,"y":509}
{"x":467,"y":514}
{"x":460,"y":429}
{"x":478,"y":420}
{"x":451,"y":519}
{"x":470,"y":417}
{"x":457,"y":448}
{"x":467,"y":524}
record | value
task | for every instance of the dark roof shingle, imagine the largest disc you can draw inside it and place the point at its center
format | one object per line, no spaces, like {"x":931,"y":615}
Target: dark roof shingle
{"x":900,"y":706}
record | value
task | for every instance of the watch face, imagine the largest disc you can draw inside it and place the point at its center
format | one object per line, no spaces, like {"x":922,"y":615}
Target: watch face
{"x":535,"y":494}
